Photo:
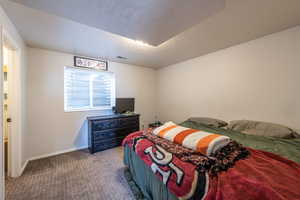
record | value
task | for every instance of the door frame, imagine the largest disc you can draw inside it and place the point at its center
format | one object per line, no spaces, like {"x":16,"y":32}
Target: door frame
{"x":2,"y":185}
{"x":15,"y":101}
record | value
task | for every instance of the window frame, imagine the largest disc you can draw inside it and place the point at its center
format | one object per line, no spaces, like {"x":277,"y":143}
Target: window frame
{"x":89,"y":108}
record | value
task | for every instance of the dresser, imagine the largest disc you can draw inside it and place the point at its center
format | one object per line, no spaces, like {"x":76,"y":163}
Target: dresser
{"x":106,"y":132}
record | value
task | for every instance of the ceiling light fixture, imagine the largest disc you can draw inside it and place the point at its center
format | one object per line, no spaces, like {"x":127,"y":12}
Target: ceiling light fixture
{"x":141,"y":43}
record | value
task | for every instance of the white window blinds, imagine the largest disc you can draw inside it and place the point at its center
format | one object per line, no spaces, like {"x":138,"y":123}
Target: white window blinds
{"x":87,"y":89}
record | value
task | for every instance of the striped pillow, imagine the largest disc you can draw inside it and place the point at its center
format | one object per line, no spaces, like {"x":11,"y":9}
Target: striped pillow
{"x":200,"y":141}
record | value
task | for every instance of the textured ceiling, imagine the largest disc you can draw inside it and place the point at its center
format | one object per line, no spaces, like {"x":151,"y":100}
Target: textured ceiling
{"x":238,"y":22}
{"x":152,"y":21}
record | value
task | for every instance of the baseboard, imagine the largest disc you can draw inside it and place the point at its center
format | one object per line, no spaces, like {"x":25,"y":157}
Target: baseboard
{"x":49,"y":155}
{"x":57,"y":153}
{"x":23,"y":167}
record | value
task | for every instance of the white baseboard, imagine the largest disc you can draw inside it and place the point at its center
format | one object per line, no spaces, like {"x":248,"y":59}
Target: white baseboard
{"x":57,"y":153}
{"x":23,"y":167}
{"x":49,"y":155}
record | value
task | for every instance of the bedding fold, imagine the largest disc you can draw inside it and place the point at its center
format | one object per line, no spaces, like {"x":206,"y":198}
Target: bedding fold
{"x":198,"y":140}
{"x":219,"y":161}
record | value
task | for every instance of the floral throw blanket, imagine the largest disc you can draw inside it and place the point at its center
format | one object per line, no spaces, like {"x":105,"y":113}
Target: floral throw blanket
{"x":185,"y":172}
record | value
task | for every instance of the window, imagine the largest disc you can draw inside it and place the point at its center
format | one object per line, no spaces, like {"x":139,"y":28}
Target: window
{"x":88,"y":89}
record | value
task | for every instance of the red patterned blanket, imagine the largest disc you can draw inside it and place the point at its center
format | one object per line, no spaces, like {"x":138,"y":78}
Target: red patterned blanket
{"x":262,"y":176}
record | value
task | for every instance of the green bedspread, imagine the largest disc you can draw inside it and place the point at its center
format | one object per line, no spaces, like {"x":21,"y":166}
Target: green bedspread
{"x":288,"y":148}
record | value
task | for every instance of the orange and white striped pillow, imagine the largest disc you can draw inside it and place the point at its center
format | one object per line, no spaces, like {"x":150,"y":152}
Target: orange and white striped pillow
{"x":200,"y":141}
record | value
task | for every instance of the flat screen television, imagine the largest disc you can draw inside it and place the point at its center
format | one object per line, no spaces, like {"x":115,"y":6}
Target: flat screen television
{"x":124,"y":105}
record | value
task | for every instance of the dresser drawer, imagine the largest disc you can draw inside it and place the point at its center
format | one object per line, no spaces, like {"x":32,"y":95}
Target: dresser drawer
{"x":109,"y":143}
{"x":112,"y":133}
{"x":132,"y":121}
{"x":127,"y":131}
{"x":104,"y":124}
{"x":102,"y":135}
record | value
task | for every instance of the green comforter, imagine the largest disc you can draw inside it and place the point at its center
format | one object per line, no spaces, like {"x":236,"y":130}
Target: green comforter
{"x":288,"y":148}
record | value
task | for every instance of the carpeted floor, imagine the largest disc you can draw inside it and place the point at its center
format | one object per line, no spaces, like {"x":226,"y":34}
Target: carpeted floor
{"x":73,"y":176}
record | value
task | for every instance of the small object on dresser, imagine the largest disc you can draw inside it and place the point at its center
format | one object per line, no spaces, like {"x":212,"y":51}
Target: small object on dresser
{"x":106,"y":132}
{"x":155,"y":124}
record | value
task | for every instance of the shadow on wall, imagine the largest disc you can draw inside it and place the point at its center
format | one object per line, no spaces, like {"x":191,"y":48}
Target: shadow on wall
{"x":81,"y":140}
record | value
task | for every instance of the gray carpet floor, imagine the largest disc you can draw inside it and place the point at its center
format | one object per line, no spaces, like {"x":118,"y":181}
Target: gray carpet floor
{"x":73,"y":176}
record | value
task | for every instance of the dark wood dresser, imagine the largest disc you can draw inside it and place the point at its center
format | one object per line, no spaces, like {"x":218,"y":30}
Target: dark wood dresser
{"x":105,"y":132}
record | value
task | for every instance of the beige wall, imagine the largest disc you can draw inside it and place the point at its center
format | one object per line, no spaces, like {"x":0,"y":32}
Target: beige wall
{"x":53,"y":130}
{"x":258,"y":80}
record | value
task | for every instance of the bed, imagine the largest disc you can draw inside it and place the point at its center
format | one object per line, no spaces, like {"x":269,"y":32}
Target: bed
{"x":270,"y":171}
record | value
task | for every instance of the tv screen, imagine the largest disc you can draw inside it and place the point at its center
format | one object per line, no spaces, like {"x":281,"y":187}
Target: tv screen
{"x":124,"y":104}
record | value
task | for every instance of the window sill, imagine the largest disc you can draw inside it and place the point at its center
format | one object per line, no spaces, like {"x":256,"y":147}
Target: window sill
{"x":87,"y":109}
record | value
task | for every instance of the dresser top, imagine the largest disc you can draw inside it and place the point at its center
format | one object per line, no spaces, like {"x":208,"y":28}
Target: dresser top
{"x":115,"y":116}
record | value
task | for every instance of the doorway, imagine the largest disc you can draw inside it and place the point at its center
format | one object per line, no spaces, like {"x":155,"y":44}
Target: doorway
{"x":8,"y":63}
